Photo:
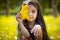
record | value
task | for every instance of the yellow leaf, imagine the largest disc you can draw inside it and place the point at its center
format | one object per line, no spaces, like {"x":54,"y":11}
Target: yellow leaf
{"x":25,"y":12}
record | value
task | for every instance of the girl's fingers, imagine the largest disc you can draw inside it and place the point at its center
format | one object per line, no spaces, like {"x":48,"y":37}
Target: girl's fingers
{"x":35,"y":31}
{"x":39,"y":33}
{"x":32,"y":31}
{"x":18,"y":15}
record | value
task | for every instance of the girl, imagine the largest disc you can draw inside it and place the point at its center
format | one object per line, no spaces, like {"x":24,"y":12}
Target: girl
{"x":33,"y":29}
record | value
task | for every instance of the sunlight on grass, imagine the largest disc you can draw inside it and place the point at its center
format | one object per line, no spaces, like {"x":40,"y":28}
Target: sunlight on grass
{"x":53,"y":27}
{"x":8,"y":28}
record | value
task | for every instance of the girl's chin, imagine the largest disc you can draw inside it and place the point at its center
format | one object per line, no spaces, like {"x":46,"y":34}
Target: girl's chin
{"x":30,"y":20}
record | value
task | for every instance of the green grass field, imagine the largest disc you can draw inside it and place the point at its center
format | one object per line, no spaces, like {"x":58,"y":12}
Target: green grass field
{"x":9,"y":29}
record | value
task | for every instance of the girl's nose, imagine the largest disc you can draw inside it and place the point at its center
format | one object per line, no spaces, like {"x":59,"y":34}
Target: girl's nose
{"x":30,"y":14}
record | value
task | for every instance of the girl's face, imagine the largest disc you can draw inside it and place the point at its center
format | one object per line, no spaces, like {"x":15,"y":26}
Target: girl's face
{"x":32,"y":13}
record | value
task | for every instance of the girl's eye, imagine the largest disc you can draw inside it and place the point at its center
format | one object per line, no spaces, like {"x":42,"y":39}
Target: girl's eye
{"x":33,"y":11}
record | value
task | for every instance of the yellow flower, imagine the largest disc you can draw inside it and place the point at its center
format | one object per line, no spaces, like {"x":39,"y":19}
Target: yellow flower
{"x":25,"y":12}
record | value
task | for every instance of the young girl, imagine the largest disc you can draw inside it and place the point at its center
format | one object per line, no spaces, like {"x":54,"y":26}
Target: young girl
{"x":33,"y":29}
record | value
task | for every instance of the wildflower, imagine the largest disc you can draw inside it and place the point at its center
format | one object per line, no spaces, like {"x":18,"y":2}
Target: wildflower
{"x":25,"y":12}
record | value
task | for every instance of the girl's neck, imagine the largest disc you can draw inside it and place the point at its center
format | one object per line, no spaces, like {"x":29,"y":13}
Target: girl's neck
{"x":31,"y":24}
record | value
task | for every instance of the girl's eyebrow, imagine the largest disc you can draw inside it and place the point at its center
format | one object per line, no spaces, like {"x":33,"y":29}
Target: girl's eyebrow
{"x":33,"y":10}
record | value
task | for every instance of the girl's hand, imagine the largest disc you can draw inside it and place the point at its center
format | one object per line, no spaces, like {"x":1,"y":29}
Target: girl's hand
{"x":37,"y":31}
{"x":18,"y":18}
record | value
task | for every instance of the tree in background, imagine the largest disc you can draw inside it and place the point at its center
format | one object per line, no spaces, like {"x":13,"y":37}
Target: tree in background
{"x":7,"y":7}
{"x":54,"y":7}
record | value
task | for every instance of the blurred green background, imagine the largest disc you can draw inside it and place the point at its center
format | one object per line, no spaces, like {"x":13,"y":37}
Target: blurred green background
{"x":9,"y":25}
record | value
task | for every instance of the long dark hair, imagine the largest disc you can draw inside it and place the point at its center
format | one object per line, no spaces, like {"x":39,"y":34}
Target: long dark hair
{"x":39,"y":20}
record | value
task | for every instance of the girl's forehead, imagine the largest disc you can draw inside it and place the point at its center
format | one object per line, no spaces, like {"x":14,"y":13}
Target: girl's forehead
{"x":31,"y":7}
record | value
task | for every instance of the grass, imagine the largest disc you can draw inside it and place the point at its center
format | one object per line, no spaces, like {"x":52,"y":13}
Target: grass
{"x":9,"y":31}
{"x":8,"y":28}
{"x":53,"y":27}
